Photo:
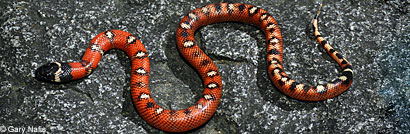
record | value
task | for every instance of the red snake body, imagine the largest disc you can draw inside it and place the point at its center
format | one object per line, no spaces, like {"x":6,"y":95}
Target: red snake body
{"x":201,"y":112}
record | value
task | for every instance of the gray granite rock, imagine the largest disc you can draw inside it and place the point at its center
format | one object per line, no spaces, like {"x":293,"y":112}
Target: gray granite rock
{"x":372,"y":35}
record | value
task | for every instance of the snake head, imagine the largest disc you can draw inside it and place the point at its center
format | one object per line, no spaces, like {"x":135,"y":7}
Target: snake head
{"x":53,"y":72}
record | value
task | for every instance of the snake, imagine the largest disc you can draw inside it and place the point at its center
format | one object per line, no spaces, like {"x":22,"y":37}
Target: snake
{"x":199,"y":113}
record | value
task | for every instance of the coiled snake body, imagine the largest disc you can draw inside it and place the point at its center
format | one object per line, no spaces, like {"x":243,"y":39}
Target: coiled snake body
{"x":201,"y":112}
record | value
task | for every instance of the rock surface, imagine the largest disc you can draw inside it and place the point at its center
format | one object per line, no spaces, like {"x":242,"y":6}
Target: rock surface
{"x":372,"y":35}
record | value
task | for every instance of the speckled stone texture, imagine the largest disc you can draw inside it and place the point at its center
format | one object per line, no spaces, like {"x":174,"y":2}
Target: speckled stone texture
{"x":374,"y":35}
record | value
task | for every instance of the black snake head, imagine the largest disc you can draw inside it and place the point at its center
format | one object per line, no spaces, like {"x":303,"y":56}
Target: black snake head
{"x":50,"y":72}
